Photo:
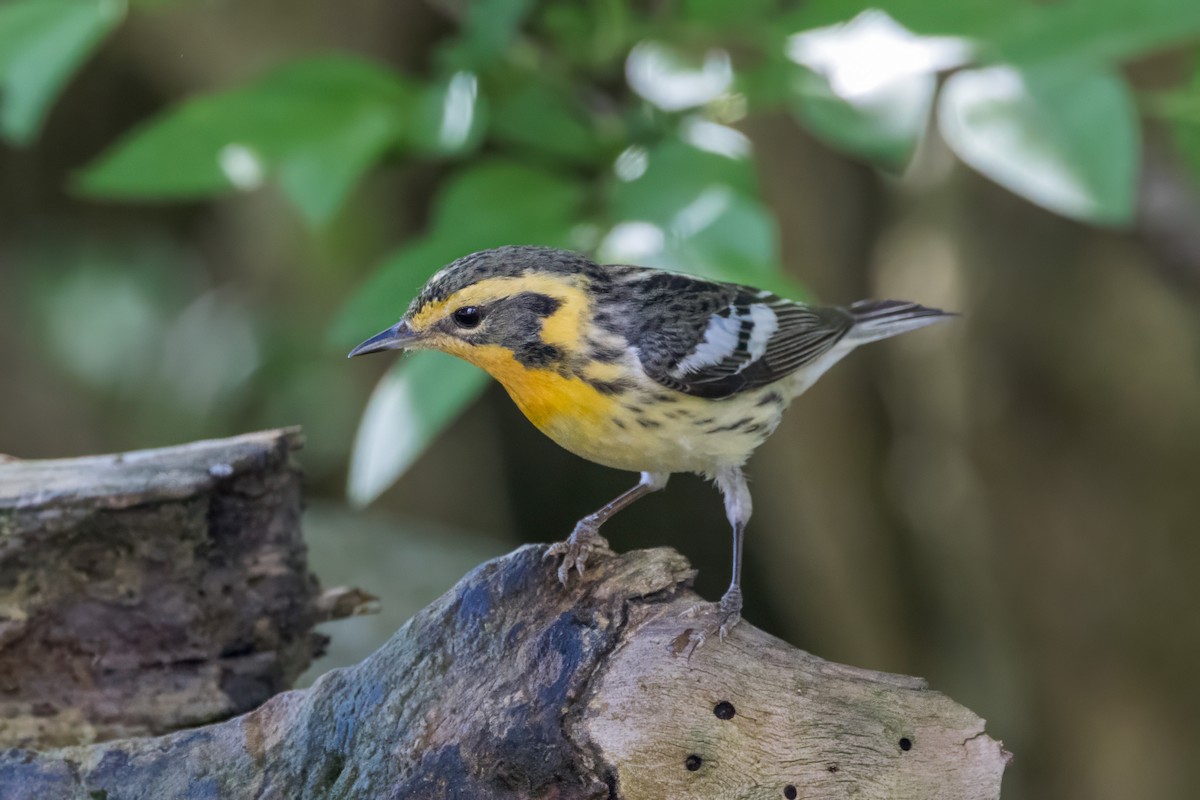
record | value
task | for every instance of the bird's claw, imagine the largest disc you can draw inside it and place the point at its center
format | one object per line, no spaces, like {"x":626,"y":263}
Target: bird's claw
{"x":727,"y":613}
{"x":576,"y":550}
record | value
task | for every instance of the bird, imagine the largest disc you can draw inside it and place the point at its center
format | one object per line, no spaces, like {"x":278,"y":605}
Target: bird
{"x":640,"y":369}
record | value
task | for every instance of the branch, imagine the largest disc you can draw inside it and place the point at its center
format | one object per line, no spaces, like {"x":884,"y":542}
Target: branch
{"x":146,"y":592}
{"x":510,"y":686}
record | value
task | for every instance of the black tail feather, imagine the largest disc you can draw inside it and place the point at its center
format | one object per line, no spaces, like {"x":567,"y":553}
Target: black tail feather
{"x":879,"y":319}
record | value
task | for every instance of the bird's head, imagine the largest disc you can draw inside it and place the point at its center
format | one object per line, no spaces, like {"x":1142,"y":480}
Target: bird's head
{"x":493,"y":306}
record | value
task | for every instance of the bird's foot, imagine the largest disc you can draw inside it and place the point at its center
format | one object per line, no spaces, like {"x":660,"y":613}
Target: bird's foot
{"x":578,"y":547}
{"x":722,"y":617}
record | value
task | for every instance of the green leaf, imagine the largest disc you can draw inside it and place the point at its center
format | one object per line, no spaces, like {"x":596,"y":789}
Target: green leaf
{"x":41,"y":43}
{"x":676,"y":174}
{"x":505,"y":202}
{"x":1102,"y":31}
{"x":319,"y":176}
{"x":543,"y":119}
{"x":490,"y":29}
{"x":883,"y":126}
{"x":450,"y":117}
{"x":974,"y":18}
{"x":697,"y":212}
{"x":770,"y":84}
{"x":740,"y":245}
{"x":490,"y":204}
{"x":1066,"y":139}
{"x":316,"y":125}
{"x":487,"y":34}
{"x":674,"y":78}
{"x":596,"y":36}
{"x":866,"y":86}
{"x":1030,"y":32}
{"x":411,"y":405}
{"x":725,"y":16}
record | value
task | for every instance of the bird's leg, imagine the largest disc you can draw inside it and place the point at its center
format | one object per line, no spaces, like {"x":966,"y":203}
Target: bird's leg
{"x":730,"y":605}
{"x":586,"y":536}
{"x":732,"y":483}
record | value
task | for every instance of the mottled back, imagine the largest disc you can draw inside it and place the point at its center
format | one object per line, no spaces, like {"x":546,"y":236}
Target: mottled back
{"x":700,"y":337}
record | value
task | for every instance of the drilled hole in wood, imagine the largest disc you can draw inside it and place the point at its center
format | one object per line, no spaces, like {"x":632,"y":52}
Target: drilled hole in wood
{"x":693,"y":762}
{"x":832,"y":768}
{"x":724,"y":710}
{"x":906,"y":744}
{"x":789,"y":792}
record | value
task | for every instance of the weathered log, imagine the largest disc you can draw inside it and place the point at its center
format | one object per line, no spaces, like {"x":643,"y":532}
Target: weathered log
{"x":146,"y":592}
{"x":511,"y":686}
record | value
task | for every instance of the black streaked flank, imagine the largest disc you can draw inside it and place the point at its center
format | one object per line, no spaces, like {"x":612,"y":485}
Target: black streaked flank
{"x":770,"y":398}
{"x":609,"y":387}
{"x":603,"y":353}
{"x":741,"y":423}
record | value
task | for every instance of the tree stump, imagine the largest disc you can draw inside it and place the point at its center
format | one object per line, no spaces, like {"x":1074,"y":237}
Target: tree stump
{"x":511,"y":686}
{"x":145,"y":592}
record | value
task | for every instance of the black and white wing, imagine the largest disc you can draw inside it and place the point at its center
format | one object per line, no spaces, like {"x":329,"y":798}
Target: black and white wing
{"x":714,"y":340}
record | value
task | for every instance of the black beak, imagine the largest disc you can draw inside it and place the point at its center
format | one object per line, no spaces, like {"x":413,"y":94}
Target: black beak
{"x":397,"y":337}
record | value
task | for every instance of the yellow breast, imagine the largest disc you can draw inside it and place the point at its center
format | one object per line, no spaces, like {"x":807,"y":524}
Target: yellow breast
{"x":628,"y":431}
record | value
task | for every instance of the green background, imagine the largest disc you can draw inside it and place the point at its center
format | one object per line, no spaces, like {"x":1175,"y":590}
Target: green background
{"x":205,"y":203}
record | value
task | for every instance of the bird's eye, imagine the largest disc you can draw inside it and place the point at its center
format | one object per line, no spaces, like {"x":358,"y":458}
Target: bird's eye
{"x":467,"y":317}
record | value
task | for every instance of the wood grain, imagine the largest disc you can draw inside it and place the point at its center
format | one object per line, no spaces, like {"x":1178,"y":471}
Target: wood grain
{"x":145,"y":592}
{"x":510,"y":686}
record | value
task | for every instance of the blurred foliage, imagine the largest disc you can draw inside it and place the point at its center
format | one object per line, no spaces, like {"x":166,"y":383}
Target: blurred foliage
{"x":1182,"y":111}
{"x":1066,"y":137}
{"x":609,"y":127}
{"x":203,"y":205}
{"x":402,"y":417}
{"x":41,"y":43}
{"x":316,"y":125}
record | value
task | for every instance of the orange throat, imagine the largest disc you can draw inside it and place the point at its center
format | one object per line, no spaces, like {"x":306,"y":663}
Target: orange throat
{"x":548,"y":399}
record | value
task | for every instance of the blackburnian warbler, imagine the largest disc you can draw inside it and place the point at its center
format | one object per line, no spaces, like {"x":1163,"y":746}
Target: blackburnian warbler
{"x":639,"y":369}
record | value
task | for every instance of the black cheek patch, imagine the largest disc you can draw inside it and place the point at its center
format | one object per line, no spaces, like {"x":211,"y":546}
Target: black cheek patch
{"x":542,"y":305}
{"x":537,"y":354}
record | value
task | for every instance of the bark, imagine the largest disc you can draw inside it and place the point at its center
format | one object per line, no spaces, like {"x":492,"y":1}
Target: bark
{"x":512,"y":686}
{"x":146,"y":592}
